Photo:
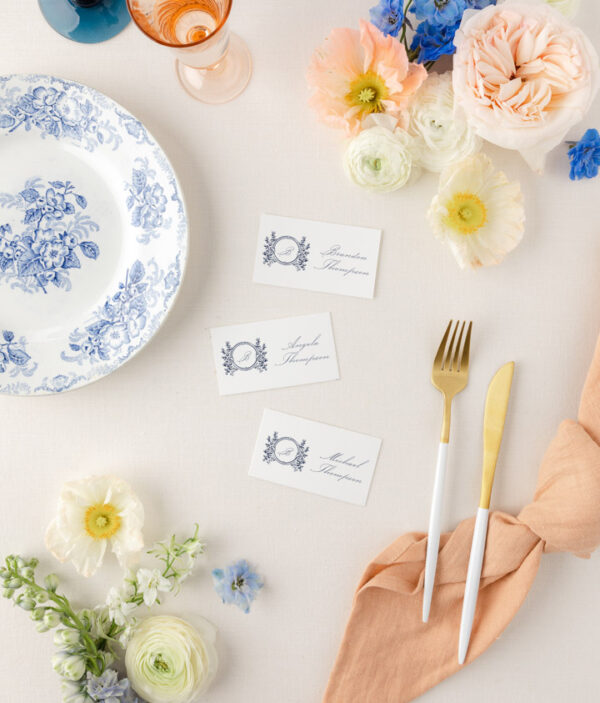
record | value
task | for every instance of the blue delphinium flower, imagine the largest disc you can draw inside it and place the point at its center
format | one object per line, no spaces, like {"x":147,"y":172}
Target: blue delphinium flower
{"x":388,"y":16}
{"x":439,"y":12}
{"x":434,"y":40}
{"x":108,"y":689}
{"x":585,"y":156}
{"x":237,"y":584}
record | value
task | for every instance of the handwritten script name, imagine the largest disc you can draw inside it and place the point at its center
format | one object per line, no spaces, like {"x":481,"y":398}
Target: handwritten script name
{"x":340,"y":261}
{"x":299,"y":352}
{"x":336,"y":465}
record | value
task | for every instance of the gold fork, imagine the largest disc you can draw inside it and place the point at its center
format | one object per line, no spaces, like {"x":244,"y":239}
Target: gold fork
{"x":449,"y":375}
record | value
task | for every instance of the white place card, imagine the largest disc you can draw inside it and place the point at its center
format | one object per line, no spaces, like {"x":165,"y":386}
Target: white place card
{"x":317,"y":256}
{"x":315,"y":457}
{"x":274,"y":354}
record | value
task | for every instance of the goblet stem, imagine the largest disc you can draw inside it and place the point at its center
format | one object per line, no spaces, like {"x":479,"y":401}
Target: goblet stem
{"x":221,"y":81}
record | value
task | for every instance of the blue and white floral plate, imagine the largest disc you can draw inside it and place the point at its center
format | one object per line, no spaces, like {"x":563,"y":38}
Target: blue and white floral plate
{"x":93,"y":235}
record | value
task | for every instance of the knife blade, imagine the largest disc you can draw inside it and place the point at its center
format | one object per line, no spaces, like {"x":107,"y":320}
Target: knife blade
{"x":496,"y":406}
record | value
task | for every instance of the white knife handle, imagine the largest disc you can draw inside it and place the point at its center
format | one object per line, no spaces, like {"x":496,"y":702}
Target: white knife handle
{"x":472,"y":584}
{"x":433,"y":538}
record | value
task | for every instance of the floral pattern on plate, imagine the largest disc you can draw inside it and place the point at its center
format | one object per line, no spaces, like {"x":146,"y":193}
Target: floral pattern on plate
{"x":14,"y":359}
{"x":122,"y":318}
{"x":147,"y":201}
{"x":55,"y":236}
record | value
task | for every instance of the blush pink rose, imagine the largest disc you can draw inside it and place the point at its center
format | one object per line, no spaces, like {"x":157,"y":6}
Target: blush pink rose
{"x":524,"y":75}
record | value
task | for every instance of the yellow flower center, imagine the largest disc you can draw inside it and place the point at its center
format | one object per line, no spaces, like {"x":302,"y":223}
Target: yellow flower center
{"x":466,"y":213}
{"x":368,"y":92}
{"x":102,"y":521}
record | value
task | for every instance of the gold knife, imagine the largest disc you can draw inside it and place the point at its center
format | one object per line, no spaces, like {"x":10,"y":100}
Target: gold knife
{"x":496,"y":405}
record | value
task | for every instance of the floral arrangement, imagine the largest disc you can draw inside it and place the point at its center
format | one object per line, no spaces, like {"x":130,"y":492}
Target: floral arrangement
{"x":167,"y":659}
{"x":522,"y":76}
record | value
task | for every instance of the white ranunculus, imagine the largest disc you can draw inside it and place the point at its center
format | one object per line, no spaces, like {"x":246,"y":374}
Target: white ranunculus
{"x":524,"y":75}
{"x":169,"y":661}
{"x":380,"y":159}
{"x":567,"y":7}
{"x":442,"y":137}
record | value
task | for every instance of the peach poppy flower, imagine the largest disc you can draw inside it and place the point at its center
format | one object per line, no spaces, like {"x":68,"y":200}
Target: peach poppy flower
{"x":357,"y":73}
{"x":523,"y":75}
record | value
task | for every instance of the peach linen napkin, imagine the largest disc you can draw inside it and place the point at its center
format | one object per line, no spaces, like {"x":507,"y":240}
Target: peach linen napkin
{"x":388,"y":655}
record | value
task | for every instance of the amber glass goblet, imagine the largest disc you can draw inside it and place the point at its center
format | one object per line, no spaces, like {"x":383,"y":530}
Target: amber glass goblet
{"x":213,"y":64}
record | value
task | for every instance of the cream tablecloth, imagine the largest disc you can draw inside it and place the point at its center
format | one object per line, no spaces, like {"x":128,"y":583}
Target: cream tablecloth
{"x":160,"y":423}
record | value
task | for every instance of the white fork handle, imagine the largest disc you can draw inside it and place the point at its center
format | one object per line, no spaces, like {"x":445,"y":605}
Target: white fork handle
{"x":472,"y":584}
{"x":433,"y":538}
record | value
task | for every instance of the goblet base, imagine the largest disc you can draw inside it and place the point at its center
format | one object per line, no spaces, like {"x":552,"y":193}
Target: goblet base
{"x":87,"y":25}
{"x":225,"y":81}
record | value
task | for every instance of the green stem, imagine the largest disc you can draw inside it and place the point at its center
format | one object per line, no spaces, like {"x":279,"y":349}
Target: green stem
{"x":403,"y":34}
{"x":64,"y":607}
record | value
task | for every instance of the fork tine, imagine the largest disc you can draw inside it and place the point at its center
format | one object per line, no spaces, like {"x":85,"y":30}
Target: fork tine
{"x":439,"y":357}
{"x":464,"y":362}
{"x":447,"y":366}
{"x":455,"y":360}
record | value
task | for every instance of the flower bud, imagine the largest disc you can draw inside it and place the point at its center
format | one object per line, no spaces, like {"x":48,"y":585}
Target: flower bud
{"x":73,"y":667}
{"x":14,"y":583}
{"x":51,"y":619}
{"x":58,"y":660}
{"x":20,"y":562}
{"x":66,"y":638}
{"x":41,"y":626}
{"x":74,"y":695}
{"x":26,"y":572}
{"x":8,"y":592}
{"x":40,"y":597}
{"x":76,"y":698}
{"x":26,"y":603}
{"x":38,"y":614}
{"x":51,"y":582}
{"x":86,"y":616}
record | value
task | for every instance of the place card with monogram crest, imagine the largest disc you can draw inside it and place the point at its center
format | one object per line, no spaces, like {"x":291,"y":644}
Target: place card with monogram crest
{"x":274,"y":354}
{"x":314,"y":457}
{"x":317,"y":256}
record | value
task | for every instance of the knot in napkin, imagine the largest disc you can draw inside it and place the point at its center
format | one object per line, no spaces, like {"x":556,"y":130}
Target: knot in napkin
{"x":388,"y":655}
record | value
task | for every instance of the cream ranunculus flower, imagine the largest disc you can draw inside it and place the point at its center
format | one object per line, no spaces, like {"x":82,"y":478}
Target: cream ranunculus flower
{"x":524,"y":75}
{"x":477,"y":212}
{"x":91,"y":513}
{"x":567,"y":7}
{"x":380,"y":159}
{"x":169,"y":661}
{"x":442,"y":135}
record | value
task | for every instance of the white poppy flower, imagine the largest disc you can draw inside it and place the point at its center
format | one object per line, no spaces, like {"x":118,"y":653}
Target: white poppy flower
{"x":150,"y":582}
{"x":91,"y":513}
{"x":477,"y":212}
{"x":441,"y":136}
{"x":169,"y":661}
{"x":380,"y":159}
